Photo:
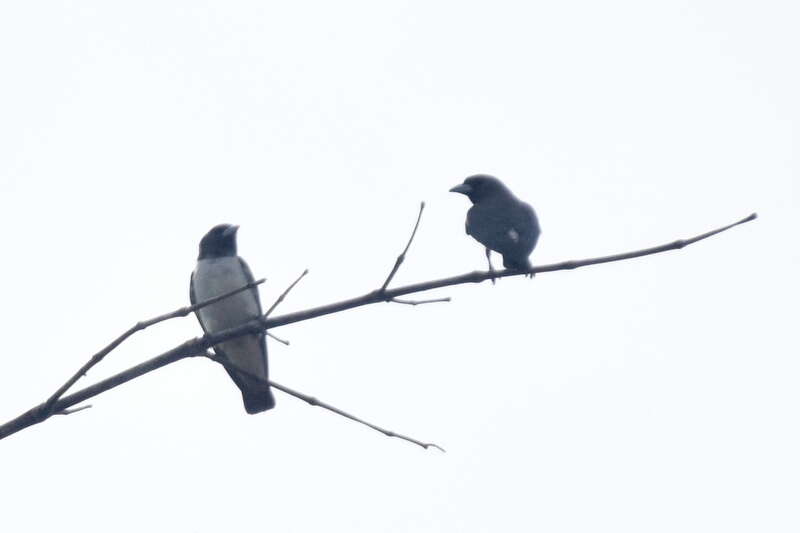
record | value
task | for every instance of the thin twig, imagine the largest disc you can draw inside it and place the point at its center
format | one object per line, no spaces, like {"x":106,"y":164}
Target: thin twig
{"x":283,"y":295}
{"x":196,"y":347}
{"x":402,"y":256}
{"x":75,"y":410}
{"x":282,"y":341}
{"x":316,"y":402}
{"x":419,"y":302}
{"x":139,"y":326}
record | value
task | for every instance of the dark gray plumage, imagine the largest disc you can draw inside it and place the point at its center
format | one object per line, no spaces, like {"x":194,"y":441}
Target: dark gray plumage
{"x":219,"y":270}
{"x":500,"y":221}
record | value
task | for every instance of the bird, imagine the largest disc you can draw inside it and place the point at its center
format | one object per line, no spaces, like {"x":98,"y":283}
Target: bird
{"x":500,"y":221}
{"x":220,"y":270}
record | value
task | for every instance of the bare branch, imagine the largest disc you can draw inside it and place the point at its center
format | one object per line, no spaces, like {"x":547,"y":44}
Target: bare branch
{"x":190,"y":348}
{"x":197,"y":347}
{"x":419,"y":302}
{"x":315,"y":402}
{"x":75,"y":410}
{"x":402,"y":256}
{"x":282,"y":341}
{"x":675,"y":245}
{"x":284,"y":293}
{"x":477,"y":277}
{"x":139,"y":326}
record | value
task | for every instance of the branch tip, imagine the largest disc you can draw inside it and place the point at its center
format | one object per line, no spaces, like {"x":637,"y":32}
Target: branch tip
{"x":402,"y":256}
{"x":313,"y":401}
{"x":75,"y":410}
{"x":284,"y":293}
{"x":280,"y":340}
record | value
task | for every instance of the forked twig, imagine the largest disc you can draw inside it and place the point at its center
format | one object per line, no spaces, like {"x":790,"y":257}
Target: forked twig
{"x":480,"y":276}
{"x":139,"y":326}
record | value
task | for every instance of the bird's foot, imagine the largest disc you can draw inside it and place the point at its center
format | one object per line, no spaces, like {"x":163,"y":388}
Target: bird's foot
{"x":491,"y":268}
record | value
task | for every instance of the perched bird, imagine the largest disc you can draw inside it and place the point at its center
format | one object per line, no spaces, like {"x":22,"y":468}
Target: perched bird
{"x":500,"y":221}
{"x":219,"y":270}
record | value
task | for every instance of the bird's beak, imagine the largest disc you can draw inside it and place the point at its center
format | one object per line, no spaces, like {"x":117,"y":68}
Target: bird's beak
{"x":230,"y":231}
{"x":462,"y":188}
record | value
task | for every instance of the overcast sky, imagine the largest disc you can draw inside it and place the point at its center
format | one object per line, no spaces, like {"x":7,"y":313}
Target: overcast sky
{"x":657,"y":395}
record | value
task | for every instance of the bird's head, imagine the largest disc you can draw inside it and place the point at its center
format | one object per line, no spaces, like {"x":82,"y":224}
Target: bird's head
{"x":220,"y":241}
{"x":481,"y":187}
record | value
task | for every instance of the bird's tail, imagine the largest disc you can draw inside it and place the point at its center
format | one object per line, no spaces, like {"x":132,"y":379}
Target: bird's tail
{"x":258,"y":401}
{"x":256,"y":394}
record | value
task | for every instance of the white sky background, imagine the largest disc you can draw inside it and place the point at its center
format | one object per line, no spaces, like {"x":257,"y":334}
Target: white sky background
{"x":658,"y":394}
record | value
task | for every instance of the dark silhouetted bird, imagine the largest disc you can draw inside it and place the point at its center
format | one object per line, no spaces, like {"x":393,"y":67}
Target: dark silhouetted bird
{"x":219,"y":270}
{"x":500,"y":221}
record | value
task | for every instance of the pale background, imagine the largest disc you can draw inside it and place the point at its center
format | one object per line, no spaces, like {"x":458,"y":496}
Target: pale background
{"x":653,"y":395}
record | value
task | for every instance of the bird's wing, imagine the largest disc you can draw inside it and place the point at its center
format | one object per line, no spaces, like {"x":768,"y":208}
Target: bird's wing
{"x":506,"y":228}
{"x":528,"y":226}
{"x":492,"y":228}
{"x":191,"y":288}
{"x":254,"y":395}
{"x":248,"y":276}
{"x":193,"y":300}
